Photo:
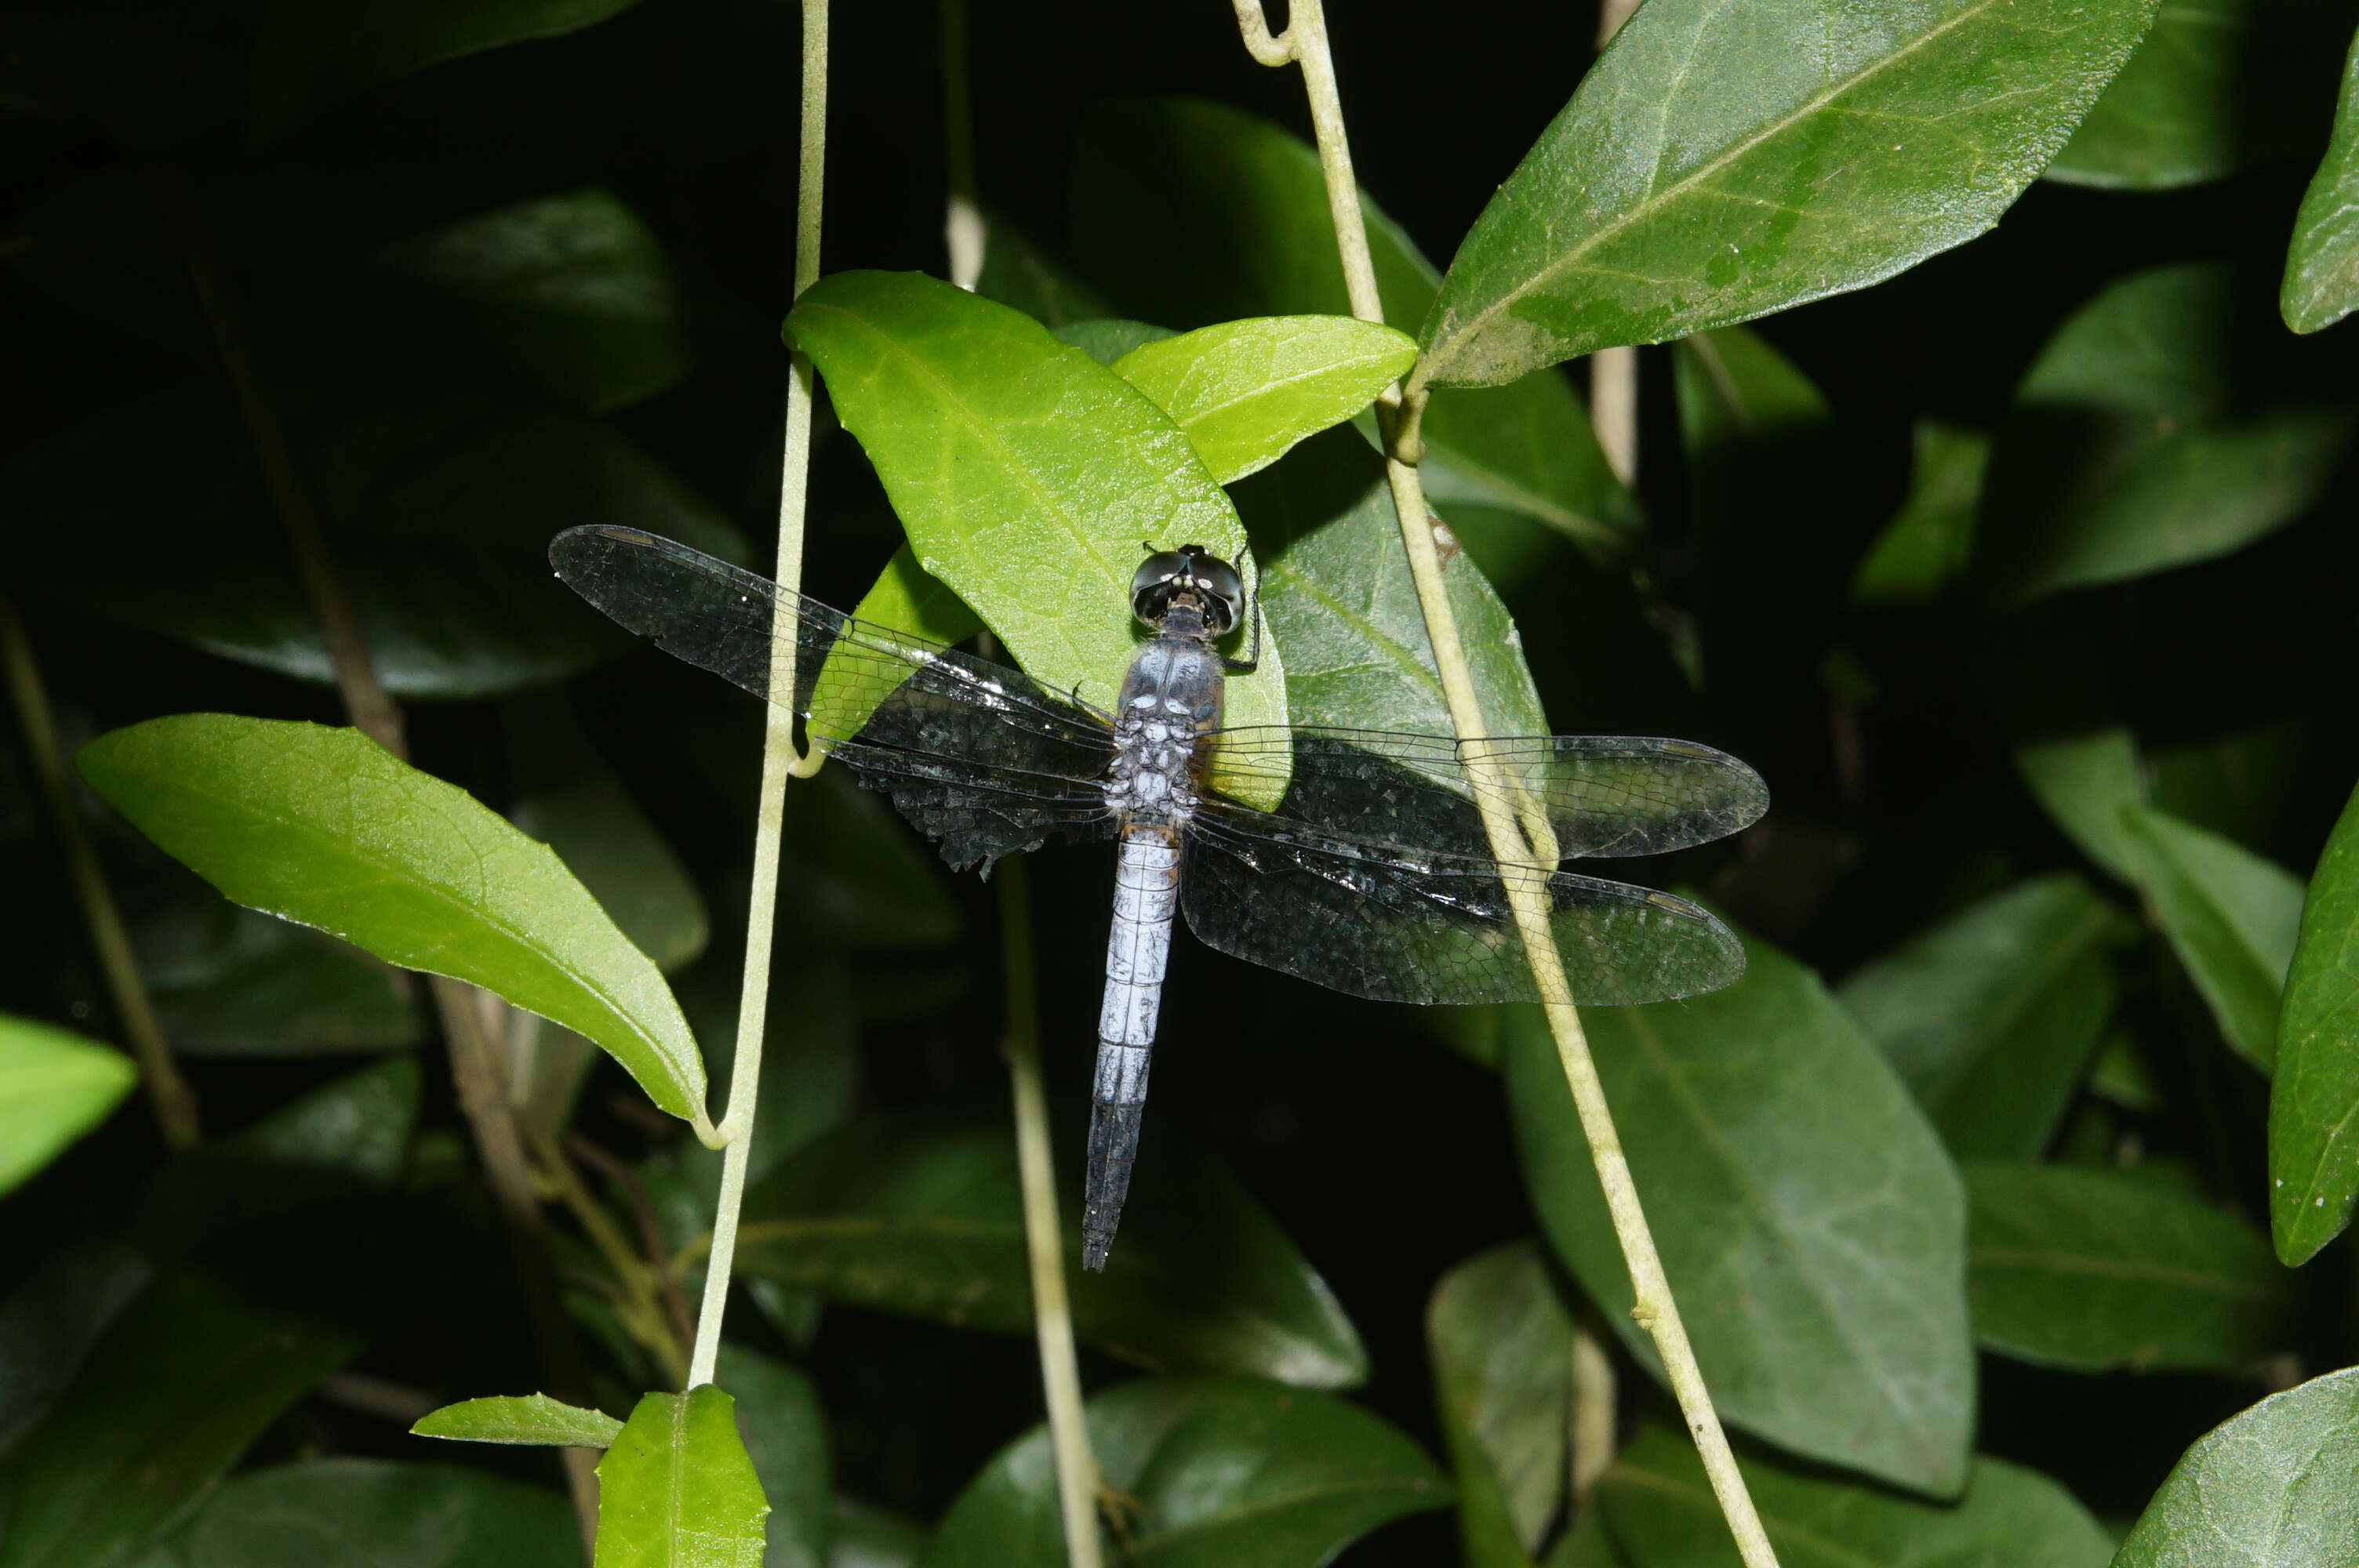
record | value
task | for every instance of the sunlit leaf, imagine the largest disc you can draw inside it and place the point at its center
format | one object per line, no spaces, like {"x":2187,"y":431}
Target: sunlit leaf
{"x":1709,"y":170}
{"x":437,"y":500}
{"x":2270,"y":1487}
{"x":1190,"y":212}
{"x":1660,"y":1509}
{"x":786,"y":1440}
{"x":923,"y":1217}
{"x":1991,"y":1017}
{"x":2232,"y":917}
{"x":2321,"y":278}
{"x":1245,"y":391}
{"x":520,"y":1418}
{"x":2314,"y":1095}
{"x":374,"y":1511}
{"x":1931,"y":540}
{"x":676,"y":1488}
{"x":2096,"y":1270}
{"x":54,"y":1087}
{"x":1225,"y":1472}
{"x":1026,"y":474}
{"x":1798,"y":1165}
{"x":324,"y":827}
{"x":1501,"y":1348}
{"x":305,"y":59}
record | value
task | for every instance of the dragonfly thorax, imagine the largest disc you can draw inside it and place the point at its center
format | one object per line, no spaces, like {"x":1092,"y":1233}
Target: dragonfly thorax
{"x":1170,"y":699}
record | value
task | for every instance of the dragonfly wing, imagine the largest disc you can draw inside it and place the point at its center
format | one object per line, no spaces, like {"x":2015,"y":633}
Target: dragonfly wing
{"x":976,"y":755}
{"x":1372,"y":921}
{"x":1605,"y":795}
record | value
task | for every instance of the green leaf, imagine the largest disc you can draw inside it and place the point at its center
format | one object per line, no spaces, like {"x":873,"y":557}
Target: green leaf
{"x":2314,"y":1094}
{"x":520,"y":1418}
{"x":1020,"y":272}
{"x":786,"y":1437}
{"x":1931,"y":540}
{"x":1797,"y":1165}
{"x":2231,"y":916}
{"x":2218,"y":86}
{"x":2270,"y":1487}
{"x":1245,"y":392}
{"x":437,"y":500}
{"x":677,"y":1490}
{"x":326,"y":827}
{"x":2321,"y":277}
{"x":1107,"y":338}
{"x":1026,"y":474}
{"x":1337,"y":590}
{"x":869,"y":1537}
{"x":1225,"y":1472}
{"x":171,"y":1396}
{"x":228,"y":982}
{"x":903,"y":598}
{"x":2141,"y":441}
{"x":1991,"y":1018}
{"x":1709,"y":170}
{"x":1659,"y":1509}
{"x":1501,"y":1348}
{"x":54,"y":1087}
{"x":305,"y":59}
{"x":376,"y":1512}
{"x":2089,"y":782}
{"x":2242,"y":784}
{"x":2096,"y":1270}
{"x":922,"y":1217}
{"x":1190,"y":213}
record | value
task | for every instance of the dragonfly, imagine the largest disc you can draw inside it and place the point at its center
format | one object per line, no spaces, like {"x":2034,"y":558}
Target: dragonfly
{"x":1373,"y":876}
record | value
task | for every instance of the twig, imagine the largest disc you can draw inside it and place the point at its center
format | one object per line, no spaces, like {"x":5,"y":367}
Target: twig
{"x":642,"y":1303}
{"x":964,"y":230}
{"x":1052,"y":1315}
{"x":168,"y":1095}
{"x":1514,"y":841}
{"x":780,"y":760}
{"x":651,"y":1235}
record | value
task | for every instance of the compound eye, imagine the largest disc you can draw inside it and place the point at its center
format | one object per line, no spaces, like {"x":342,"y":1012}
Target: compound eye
{"x":1220,"y":580}
{"x":1150,"y":586}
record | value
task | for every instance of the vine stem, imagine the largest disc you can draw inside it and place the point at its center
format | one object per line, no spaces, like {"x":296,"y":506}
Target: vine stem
{"x":1613,"y":373}
{"x":168,"y":1095}
{"x":965,"y":233}
{"x":1052,"y":1316}
{"x":780,"y":760}
{"x":1515,"y":839}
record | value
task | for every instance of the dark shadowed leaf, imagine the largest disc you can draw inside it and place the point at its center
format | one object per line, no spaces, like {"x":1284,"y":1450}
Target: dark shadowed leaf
{"x":1766,"y":174}
{"x":2140,"y":441}
{"x":53,"y":1316}
{"x":1106,"y":338}
{"x":922,"y":1217}
{"x":2242,"y":783}
{"x":2321,"y":278}
{"x":233,"y":982}
{"x":520,"y":1418}
{"x":1931,"y":540}
{"x":1018,"y":270}
{"x":2088,"y":782}
{"x":1991,"y":1017}
{"x":2270,"y":1487}
{"x":1245,"y":391}
{"x":1035,"y":521}
{"x":54,"y":1087}
{"x":325,"y":827}
{"x":2232,"y":917}
{"x":438,"y":501}
{"x":2314,"y":1095}
{"x":1226,"y":1473}
{"x":2096,"y":1270}
{"x":1501,"y":1348}
{"x":676,"y":1488}
{"x":1798,"y":1164}
{"x":167,"y":1402}
{"x":1659,"y":1508}
{"x":786,"y":1437}
{"x":305,"y":59}
{"x":374,"y":1513}
{"x":869,"y":1537}
{"x":1337,"y":591}
{"x":1190,"y":213}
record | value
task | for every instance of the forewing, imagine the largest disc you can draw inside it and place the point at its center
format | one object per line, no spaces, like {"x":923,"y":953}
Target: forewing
{"x":976,"y":755}
{"x":1359,"y":918}
{"x":1604,"y":795}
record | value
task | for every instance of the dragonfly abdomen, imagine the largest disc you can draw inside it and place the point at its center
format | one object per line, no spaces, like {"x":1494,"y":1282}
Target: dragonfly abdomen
{"x":1145,"y":899}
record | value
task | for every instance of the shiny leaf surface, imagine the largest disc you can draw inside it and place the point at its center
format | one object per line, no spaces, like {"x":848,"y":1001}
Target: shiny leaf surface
{"x":1713,"y":167}
{"x":2270,"y":1487}
{"x":676,"y":1488}
{"x":1502,"y":1350}
{"x":1798,"y":1164}
{"x":520,"y":1418}
{"x":326,"y":827}
{"x":2314,"y":1093}
{"x":2232,"y":917}
{"x":2096,"y":1270}
{"x":2321,"y":278}
{"x":54,"y":1087}
{"x":373,"y":1513}
{"x":1226,"y":1473}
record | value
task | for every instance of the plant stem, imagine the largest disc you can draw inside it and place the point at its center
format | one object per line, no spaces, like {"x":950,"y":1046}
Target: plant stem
{"x":1516,"y":839}
{"x":963,"y":230}
{"x":1052,"y":1316}
{"x":780,"y":760}
{"x":1613,"y":373}
{"x":642,"y":1306}
{"x":168,"y":1095}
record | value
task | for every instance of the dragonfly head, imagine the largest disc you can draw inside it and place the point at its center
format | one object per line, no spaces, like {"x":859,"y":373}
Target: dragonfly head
{"x":1188,"y":577}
